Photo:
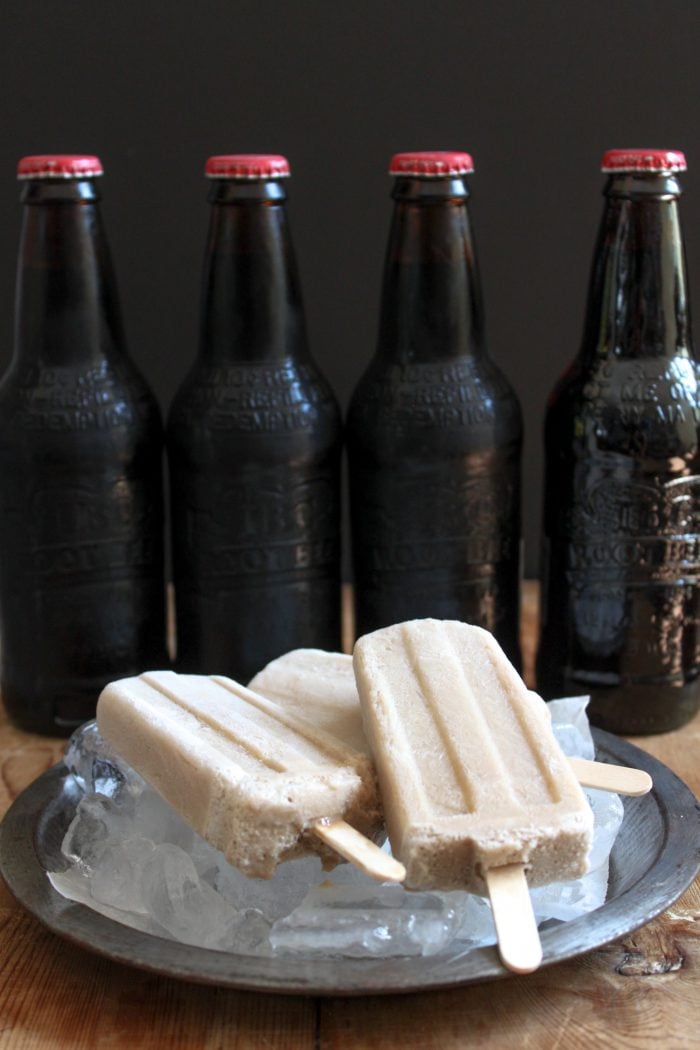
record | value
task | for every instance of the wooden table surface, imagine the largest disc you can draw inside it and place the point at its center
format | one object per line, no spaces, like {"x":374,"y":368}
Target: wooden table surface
{"x":641,"y":992}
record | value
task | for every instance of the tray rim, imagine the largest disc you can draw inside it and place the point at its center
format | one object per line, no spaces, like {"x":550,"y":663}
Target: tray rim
{"x":668,"y":876}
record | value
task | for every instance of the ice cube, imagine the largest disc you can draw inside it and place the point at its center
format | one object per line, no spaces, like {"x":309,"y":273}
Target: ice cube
{"x":571,"y":900}
{"x":95,"y":766}
{"x":157,"y":820}
{"x":184,"y":906}
{"x":76,"y":887}
{"x":378,"y":920}
{"x":274,"y":897}
{"x":475,"y":924}
{"x":116,"y":877}
{"x":99,"y":823}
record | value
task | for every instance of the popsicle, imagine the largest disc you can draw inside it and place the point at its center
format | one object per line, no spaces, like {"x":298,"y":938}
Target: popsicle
{"x":320,"y":687}
{"x":477,"y":793}
{"x":256,"y":781}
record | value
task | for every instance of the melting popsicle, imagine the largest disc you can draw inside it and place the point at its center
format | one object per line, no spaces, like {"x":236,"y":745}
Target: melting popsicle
{"x":477,"y":793}
{"x":254,"y":780}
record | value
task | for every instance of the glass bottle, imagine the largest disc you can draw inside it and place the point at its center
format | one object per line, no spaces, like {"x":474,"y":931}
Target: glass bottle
{"x":254,"y":440}
{"x":620,"y":598}
{"x":434,"y":429}
{"x":81,"y":515}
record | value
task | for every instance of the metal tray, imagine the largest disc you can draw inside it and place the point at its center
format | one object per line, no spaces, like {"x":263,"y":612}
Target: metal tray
{"x":655,"y":858}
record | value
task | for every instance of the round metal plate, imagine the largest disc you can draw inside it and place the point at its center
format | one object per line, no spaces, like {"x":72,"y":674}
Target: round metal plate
{"x":655,"y":858}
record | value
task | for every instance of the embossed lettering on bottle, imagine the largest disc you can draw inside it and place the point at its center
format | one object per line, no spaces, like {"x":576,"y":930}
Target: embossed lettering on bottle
{"x":85,"y":530}
{"x":269,"y":524}
{"x":254,"y":398}
{"x":455,"y":528}
{"x":627,"y":536}
{"x":57,"y":399}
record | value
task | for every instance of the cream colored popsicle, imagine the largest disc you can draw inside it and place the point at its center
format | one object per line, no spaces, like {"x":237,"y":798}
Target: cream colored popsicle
{"x":256,"y":781}
{"x":319,"y":686}
{"x":472,"y":778}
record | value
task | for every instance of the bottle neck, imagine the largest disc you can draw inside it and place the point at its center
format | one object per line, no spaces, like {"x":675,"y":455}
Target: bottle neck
{"x":638,"y":303}
{"x":66,"y":309}
{"x":431,"y":303}
{"x":251,"y":304}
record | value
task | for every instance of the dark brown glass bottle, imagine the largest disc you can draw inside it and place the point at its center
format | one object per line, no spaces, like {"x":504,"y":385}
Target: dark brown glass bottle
{"x":81,"y":447}
{"x":434,"y":429}
{"x":620,"y":599}
{"x":254,"y":440}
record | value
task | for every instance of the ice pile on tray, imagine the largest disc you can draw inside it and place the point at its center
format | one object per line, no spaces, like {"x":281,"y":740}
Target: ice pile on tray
{"x":129,"y":856}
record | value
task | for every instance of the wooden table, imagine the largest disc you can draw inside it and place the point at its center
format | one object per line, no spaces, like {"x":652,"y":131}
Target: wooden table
{"x":638,"y":993}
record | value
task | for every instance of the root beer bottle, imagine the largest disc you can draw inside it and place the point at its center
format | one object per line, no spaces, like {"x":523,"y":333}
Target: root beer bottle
{"x":254,"y":446}
{"x":620,"y":599}
{"x":434,"y":429}
{"x":81,"y":447}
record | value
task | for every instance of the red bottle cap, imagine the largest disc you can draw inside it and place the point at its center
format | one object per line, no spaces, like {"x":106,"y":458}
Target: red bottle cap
{"x":432,"y":165}
{"x":247,"y":166}
{"x":59,"y":166}
{"x":651,"y":160}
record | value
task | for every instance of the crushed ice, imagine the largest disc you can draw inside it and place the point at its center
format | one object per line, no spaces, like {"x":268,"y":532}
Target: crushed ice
{"x":129,"y":856}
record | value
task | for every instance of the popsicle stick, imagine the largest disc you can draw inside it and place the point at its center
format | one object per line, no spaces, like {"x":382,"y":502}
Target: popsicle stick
{"x":359,"y":850}
{"x":624,"y":780}
{"x":518,"y":937}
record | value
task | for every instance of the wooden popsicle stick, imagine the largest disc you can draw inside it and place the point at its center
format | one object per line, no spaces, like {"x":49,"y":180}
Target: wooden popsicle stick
{"x":359,"y":850}
{"x":624,"y":780}
{"x":518,"y":937}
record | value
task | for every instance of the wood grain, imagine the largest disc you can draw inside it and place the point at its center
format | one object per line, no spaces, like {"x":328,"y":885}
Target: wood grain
{"x":640,"y":993}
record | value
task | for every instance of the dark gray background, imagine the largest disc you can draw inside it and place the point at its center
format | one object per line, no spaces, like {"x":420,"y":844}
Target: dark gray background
{"x":535,"y":91}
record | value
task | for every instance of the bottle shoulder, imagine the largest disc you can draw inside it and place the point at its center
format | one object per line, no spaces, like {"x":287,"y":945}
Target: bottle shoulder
{"x":611,"y":370}
{"x":286,"y":376}
{"x":456,"y":403}
{"x":263,"y":413}
{"x":644,"y":407}
{"x":102,"y":397}
{"x":478,"y":370}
